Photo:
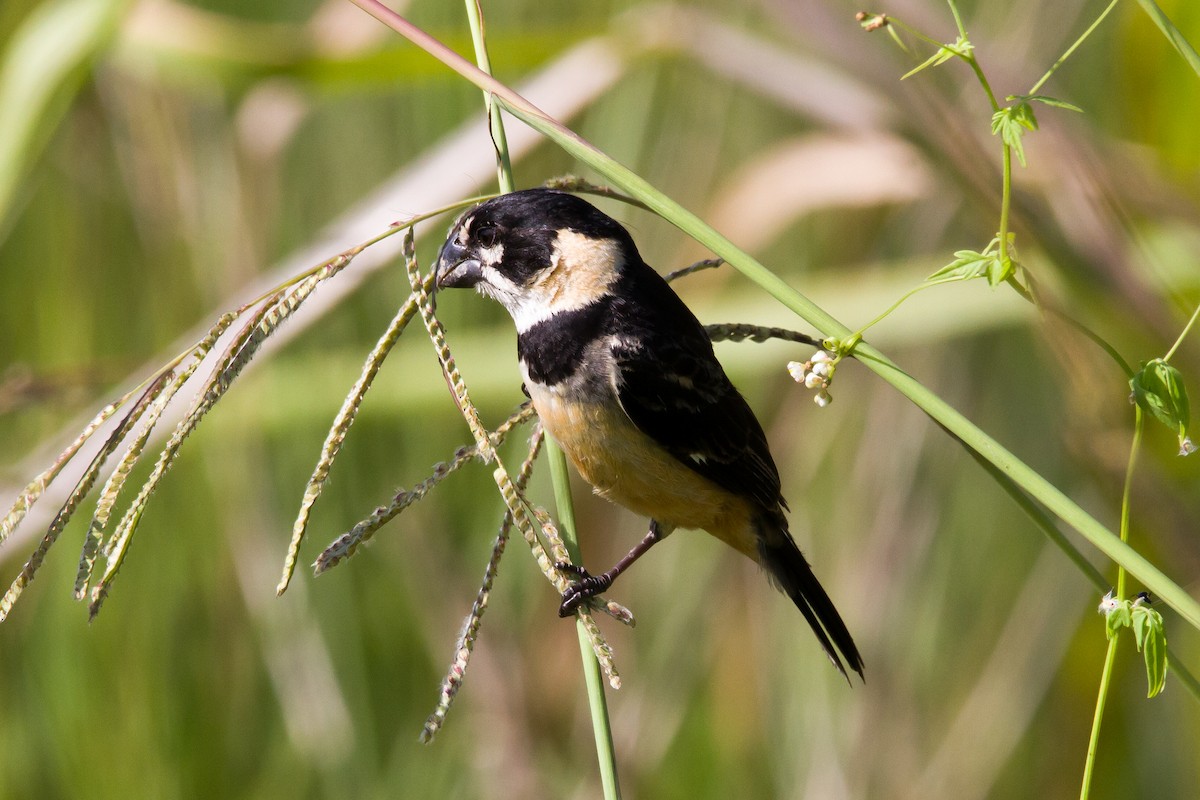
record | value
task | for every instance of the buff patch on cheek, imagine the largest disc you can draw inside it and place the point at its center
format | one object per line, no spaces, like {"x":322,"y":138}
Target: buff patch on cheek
{"x":581,"y":272}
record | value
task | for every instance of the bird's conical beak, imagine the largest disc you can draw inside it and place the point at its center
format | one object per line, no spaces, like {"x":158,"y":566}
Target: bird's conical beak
{"x":455,"y":270}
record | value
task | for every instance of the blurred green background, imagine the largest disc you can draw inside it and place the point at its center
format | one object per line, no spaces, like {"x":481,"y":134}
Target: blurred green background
{"x":159,"y":160}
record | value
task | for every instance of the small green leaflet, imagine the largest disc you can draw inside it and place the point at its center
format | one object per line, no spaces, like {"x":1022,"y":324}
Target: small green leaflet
{"x":1010,"y":125}
{"x":968,"y":264}
{"x":1158,"y":388}
{"x":1152,"y":642}
{"x":1011,"y":122}
{"x":961,"y":48}
{"x":1045,"y":100}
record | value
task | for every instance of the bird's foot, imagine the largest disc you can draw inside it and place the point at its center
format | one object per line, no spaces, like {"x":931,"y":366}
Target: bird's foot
{"x":586,"y":587}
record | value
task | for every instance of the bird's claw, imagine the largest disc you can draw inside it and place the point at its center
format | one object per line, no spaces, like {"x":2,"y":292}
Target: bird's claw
{"x":586,"y":587}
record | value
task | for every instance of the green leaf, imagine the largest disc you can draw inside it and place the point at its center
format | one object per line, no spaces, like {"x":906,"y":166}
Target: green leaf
{"x":1010,"y":124}
{"x":967,"y":264}
{"x":1023,"y":114}
{"x":1158,"y":388}
{"x":1051,"y":101}
{"x":1116,"y":620}
{"x":1151,"y":640}
{"x":961,"y":48}
{"x":998,"y":270}
{"x":891,"y":29}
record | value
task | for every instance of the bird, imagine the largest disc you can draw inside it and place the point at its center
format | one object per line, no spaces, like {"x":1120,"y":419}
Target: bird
{"x":623,"y":378}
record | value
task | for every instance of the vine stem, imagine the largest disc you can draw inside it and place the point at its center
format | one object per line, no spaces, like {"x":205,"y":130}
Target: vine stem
{"x":1183,"y":334}
{"x":1110,"y":656}
{"x":928,"y":284}
{"x":1005,"y":202}
{"x":1073,"y":48}
{"x":1127,"y":491}
{"x":970,"y":57}
{"x":1101,"y":698}
{"x":958,"y":22}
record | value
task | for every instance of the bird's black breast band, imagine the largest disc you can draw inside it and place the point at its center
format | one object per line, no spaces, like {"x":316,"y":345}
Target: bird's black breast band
{"x":553,"y":349}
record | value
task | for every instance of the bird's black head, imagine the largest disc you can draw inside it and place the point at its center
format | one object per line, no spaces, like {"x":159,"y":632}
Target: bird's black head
{"x":537,"y":252}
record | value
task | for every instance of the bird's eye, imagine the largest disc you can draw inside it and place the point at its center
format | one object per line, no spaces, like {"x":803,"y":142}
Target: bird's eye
{"x":487,"y":234}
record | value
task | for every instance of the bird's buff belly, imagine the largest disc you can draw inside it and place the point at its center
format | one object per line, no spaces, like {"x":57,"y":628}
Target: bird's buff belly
{"x":627,"y":467}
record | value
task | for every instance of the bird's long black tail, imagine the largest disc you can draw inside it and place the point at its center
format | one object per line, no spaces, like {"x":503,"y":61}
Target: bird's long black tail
{"x":788,"y":569}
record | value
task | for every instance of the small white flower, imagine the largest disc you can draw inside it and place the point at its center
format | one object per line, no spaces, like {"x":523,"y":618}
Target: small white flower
{"x":816,"y":373}
{"x":1186,"y":446}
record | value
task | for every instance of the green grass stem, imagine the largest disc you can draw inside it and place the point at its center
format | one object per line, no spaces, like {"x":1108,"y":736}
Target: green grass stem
{"x":560,"y":477}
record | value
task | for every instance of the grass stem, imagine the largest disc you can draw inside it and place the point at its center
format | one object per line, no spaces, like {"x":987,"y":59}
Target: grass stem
{"x":559,"y":475}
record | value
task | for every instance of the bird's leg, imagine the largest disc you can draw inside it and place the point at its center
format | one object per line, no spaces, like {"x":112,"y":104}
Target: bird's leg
{"x":590,"y":585}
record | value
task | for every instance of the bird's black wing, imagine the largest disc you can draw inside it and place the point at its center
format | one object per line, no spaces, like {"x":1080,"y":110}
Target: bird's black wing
{"x":674,"y":390}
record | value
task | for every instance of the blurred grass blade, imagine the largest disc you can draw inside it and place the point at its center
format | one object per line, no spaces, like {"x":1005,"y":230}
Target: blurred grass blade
{"x":631,"y":183}
{"x":44,"y":65}
{"x":1173,"y":34}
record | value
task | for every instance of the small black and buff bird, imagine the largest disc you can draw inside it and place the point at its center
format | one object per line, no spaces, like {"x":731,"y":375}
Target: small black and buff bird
{"x":624,"y":379}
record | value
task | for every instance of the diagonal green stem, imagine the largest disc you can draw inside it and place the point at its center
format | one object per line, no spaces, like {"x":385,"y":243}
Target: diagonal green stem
{"x":1173,"y":34}
{"x":631,"y":183}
